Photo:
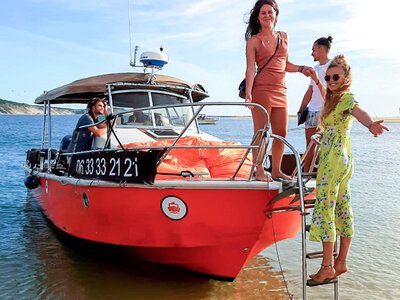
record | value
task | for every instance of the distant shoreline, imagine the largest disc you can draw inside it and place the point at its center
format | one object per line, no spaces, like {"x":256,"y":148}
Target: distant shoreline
{"x":22,"y":109}
{"x":294,"y":118}
{"x":8,"y":107}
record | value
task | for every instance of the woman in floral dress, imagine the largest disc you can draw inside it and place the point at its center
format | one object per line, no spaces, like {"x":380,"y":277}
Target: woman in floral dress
{"x":333,"y":215}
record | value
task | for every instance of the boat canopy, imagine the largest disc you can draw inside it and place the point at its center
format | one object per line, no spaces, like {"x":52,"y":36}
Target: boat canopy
{"x":80,"y":91}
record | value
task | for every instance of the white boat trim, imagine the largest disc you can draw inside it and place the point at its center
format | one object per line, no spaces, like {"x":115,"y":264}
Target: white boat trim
{"x":166,"y":184}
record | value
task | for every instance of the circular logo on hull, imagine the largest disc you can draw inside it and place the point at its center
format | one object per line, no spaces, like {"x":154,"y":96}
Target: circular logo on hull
{"x":173,"y":207}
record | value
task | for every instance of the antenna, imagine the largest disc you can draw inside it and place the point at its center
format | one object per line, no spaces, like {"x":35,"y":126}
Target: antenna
{"x":132,"y":62}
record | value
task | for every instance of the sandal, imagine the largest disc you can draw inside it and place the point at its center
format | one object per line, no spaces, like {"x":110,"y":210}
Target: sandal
{"x":318,"y":278}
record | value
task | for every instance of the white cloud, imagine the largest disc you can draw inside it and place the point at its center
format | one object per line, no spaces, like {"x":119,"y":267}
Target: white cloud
{"x":368,"y":28}
{"x":205,"y":39}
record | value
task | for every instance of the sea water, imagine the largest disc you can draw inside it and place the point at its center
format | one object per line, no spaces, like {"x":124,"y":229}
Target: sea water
{"x":36,"y":263}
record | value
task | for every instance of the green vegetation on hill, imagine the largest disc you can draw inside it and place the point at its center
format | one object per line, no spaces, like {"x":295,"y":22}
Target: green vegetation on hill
{"x":15,"y":108}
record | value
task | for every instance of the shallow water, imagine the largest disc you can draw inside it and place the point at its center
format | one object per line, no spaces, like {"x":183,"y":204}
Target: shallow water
{"x":36,"y":263}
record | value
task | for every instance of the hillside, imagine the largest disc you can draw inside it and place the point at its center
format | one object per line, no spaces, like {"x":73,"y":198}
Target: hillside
{"x":15,"y":108}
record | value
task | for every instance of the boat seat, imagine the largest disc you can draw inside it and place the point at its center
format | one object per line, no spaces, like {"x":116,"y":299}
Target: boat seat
{"x":66,"y":140}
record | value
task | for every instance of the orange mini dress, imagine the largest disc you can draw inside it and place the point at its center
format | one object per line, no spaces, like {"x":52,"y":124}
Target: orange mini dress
{"x":269,"y":89}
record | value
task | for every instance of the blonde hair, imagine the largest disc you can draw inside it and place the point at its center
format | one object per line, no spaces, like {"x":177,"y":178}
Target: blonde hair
{"x":332,"y":97}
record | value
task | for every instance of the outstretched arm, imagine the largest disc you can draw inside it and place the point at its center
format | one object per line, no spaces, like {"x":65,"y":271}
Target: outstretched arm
{"x":375,"y":127}
{"x":295,"y":68}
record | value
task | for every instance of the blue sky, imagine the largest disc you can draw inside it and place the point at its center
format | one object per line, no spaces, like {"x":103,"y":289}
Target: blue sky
{"x":48,"y":43}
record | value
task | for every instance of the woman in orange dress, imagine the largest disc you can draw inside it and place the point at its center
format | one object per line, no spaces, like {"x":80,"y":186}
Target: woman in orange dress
{"x":268,"y":87}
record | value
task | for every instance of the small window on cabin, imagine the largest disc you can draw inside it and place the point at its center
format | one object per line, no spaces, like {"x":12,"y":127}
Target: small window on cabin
{"x":163,"y":117}
{"x":131,"y":100}
{"x":171,"y":116}
{"x":128,"y":101}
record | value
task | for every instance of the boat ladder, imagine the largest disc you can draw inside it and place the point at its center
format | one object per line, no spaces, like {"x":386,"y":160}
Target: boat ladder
{"x":306,"y":196}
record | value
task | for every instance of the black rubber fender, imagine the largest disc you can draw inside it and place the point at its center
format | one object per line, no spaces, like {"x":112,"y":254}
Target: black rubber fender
{"x":32,"y":182}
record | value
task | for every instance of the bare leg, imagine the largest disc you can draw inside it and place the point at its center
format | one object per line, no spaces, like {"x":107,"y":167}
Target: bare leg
{"x":340,"y":261}
{"x":259,"y":123}
{"x":308,"y":159}
{"x":279,"y":123}
{"x":326,"y":271}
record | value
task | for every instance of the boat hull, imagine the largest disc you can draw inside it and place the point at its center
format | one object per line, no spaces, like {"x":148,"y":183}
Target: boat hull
{"x":213,"y":230}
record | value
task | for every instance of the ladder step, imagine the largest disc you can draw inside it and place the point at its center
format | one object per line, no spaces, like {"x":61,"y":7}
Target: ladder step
{"x":286,"y":193}
{"x":310,"y":174}
{"x":306,"y":201}
{"x":293,"y":191}
{"x":309,"y":201}
{"x":318,"y":254}
{"x":312,"y":283}
{"x":289,"y":208}
{"x":283,"y":209}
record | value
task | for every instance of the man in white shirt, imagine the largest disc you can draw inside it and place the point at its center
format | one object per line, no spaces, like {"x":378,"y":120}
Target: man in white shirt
{"x":313,"y":99}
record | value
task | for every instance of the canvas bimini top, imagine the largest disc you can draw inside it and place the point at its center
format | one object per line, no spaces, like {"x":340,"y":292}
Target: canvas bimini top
{"x":80,"y":91}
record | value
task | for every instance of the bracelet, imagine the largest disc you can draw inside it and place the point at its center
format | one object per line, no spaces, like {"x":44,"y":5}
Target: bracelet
{"x":301,"y":68}
{"x":317,"y":83}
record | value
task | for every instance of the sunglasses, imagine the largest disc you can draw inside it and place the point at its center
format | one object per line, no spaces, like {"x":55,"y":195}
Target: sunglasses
{"x":335,"y":77}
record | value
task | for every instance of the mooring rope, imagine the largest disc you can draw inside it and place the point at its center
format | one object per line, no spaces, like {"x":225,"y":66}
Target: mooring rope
{"x":279,"y":261}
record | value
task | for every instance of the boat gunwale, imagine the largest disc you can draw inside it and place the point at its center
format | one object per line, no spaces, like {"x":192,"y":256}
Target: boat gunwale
{"x":162,"y":184}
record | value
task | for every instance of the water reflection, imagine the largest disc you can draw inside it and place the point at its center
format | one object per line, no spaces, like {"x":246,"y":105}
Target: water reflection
{"x":57,"y":266}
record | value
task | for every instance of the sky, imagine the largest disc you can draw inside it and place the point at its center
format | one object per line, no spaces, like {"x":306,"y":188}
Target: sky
{"x":48,"y":43}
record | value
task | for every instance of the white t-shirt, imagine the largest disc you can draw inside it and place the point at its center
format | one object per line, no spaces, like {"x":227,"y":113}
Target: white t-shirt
{"x":316,"y":102}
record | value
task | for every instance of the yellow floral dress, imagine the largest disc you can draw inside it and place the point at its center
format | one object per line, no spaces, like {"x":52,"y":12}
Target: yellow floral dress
{"x":332,"y":212}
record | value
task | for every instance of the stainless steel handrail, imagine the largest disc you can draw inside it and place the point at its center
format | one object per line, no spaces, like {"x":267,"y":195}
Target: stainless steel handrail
{"x":194,"y":117}
{"x":260,"y":134}
{"x":165,"y":154}
{"x":315,"y":141}
{"x":159,"y":86}
{"x":302,"y":210}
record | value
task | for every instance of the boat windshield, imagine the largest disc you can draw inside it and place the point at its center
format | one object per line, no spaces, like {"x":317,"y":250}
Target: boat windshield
{"x":157,"y":117}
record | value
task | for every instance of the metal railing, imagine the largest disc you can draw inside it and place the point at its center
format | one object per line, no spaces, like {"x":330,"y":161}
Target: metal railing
{"x":262,"y":134}
{"x":313,"y":148}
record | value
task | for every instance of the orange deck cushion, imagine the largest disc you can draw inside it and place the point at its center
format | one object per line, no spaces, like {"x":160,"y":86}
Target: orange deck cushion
{"x":218,"y":162}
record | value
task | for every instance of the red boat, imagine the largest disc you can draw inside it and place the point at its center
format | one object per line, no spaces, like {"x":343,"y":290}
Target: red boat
{"x":170,"y":192}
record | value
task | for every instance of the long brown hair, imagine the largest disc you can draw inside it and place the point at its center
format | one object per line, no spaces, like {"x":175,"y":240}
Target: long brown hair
{"x":332,"y":97}
{"x":254,"y":26}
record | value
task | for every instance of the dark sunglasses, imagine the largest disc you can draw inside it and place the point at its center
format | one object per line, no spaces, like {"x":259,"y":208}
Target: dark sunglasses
{"x":335,"y":77}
